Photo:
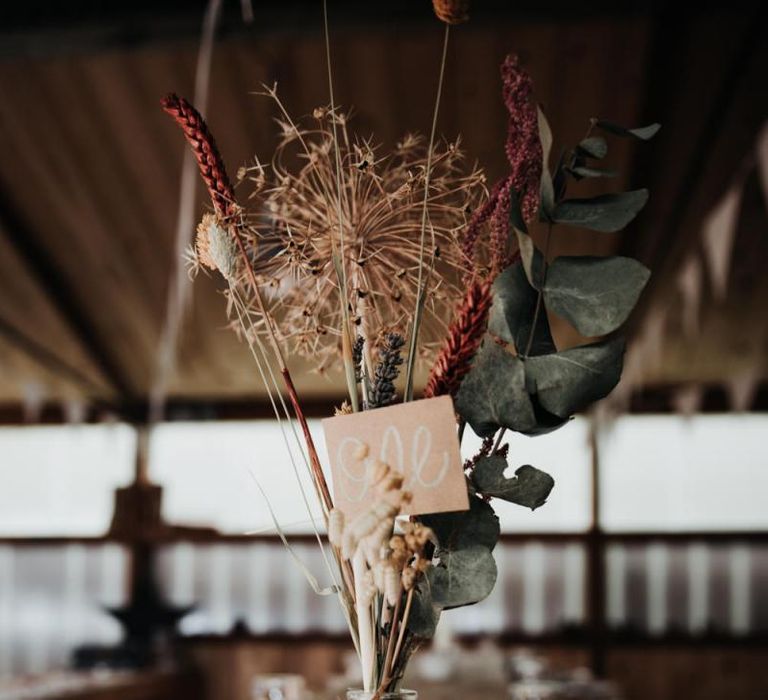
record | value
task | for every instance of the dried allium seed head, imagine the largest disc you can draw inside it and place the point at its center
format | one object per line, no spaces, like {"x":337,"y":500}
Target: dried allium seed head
{"x":451,"y":11}
{"x":298,"y":227}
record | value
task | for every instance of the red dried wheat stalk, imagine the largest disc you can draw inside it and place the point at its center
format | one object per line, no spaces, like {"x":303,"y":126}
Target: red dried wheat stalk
{"x":464,"y":336}
{"x":206,"y":152}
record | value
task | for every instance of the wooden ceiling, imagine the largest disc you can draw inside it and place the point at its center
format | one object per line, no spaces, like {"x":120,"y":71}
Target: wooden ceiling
{"x":89,"y":175}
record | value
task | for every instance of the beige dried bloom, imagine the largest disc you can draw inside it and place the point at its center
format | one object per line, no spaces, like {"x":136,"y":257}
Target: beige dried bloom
{"x":215,"y":247}
{"x":335,"y":527}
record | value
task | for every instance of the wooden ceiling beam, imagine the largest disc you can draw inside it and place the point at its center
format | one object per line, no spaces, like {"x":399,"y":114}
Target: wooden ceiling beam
{"x":660,"y":242}
{"x":50,"y":27}
{"x":61,"y":297}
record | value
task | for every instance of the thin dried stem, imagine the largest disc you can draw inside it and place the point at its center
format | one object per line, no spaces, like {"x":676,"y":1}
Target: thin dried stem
{"x":410,"y":366}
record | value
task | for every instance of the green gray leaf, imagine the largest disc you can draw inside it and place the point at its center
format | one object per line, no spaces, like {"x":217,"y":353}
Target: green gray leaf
{"x":593,"y":147}
{"x":595,"y":294}
{"x":606,"y":213}
{"x":581,"y":171}
{"x":546,"y":190}
{"x":514,"y":308}
{"x":493,"y":394}
{"x":530,"y":487}
{"x":424,"y":615}
{"x":462,"y":529}
{"x":644,"y":133}
{"x":567,"y":381}
{"x":462,"y":577}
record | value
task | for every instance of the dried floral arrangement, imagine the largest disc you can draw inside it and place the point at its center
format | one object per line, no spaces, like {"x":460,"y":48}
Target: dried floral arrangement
{"x":354,"y":257}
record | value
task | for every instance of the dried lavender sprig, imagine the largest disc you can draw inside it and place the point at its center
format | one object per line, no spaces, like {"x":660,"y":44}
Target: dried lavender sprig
{"x":357,"y":357}
{"x":386,"y":372}
{"x":206,"y":152}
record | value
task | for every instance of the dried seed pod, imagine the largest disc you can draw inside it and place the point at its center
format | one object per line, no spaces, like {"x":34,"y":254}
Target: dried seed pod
{"x":408,"y":578}
{"x":423,"y":564}
{"x":412,"y":543}
{"x":361,"y":452}
{"x":335,"y":527}
{"x":451,"y":11}
{"x":423,"y":534}
{"x":396,"y":543}
{"x":385,"y":510}
{"x":391,"y":482}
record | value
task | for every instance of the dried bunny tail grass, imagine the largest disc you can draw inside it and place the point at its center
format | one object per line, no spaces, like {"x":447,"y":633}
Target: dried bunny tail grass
{"x":335,"y":527}
{"x":216,"y":248}
{"x":206,"y":152}
{"x":451,"y":11}
{"x":295,"y":232}
{"x":464,"y":337}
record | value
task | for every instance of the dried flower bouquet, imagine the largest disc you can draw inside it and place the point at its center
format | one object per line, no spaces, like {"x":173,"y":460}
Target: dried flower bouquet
{"x":350,"y":256}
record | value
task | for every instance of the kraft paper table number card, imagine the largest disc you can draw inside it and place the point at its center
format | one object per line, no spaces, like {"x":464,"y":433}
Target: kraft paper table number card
{"x":417,"y":439}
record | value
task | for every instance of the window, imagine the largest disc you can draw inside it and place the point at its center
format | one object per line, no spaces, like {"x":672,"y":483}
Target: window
{"x":59,"y":481}
{"x":670,"y":473}
{"x":210,"y":471}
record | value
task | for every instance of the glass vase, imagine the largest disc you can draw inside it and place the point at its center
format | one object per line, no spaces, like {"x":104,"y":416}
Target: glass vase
{"x":353,"y":694}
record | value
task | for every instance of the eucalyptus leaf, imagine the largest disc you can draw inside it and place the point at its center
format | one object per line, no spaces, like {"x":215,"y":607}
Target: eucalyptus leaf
{"x":593,"y":147}
{"x":514,"y":306}
{"x":565,"y":382}
{"x":532,"y":259}
{"x":462,"y":529}
{"x":530,"y":487}
{"x":606,"y":213}
{"x":462,"y":577}
{"x":493,"y":394}
{"x":546,"y":422}
{"x":582,"y":171}
{"x":424,"y":615}
{"x":515,"y":213}
{"x":594,"y":294}
{"x":546,"y":190}
{"x":644,"y":133}
{"x":559,"y":181}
